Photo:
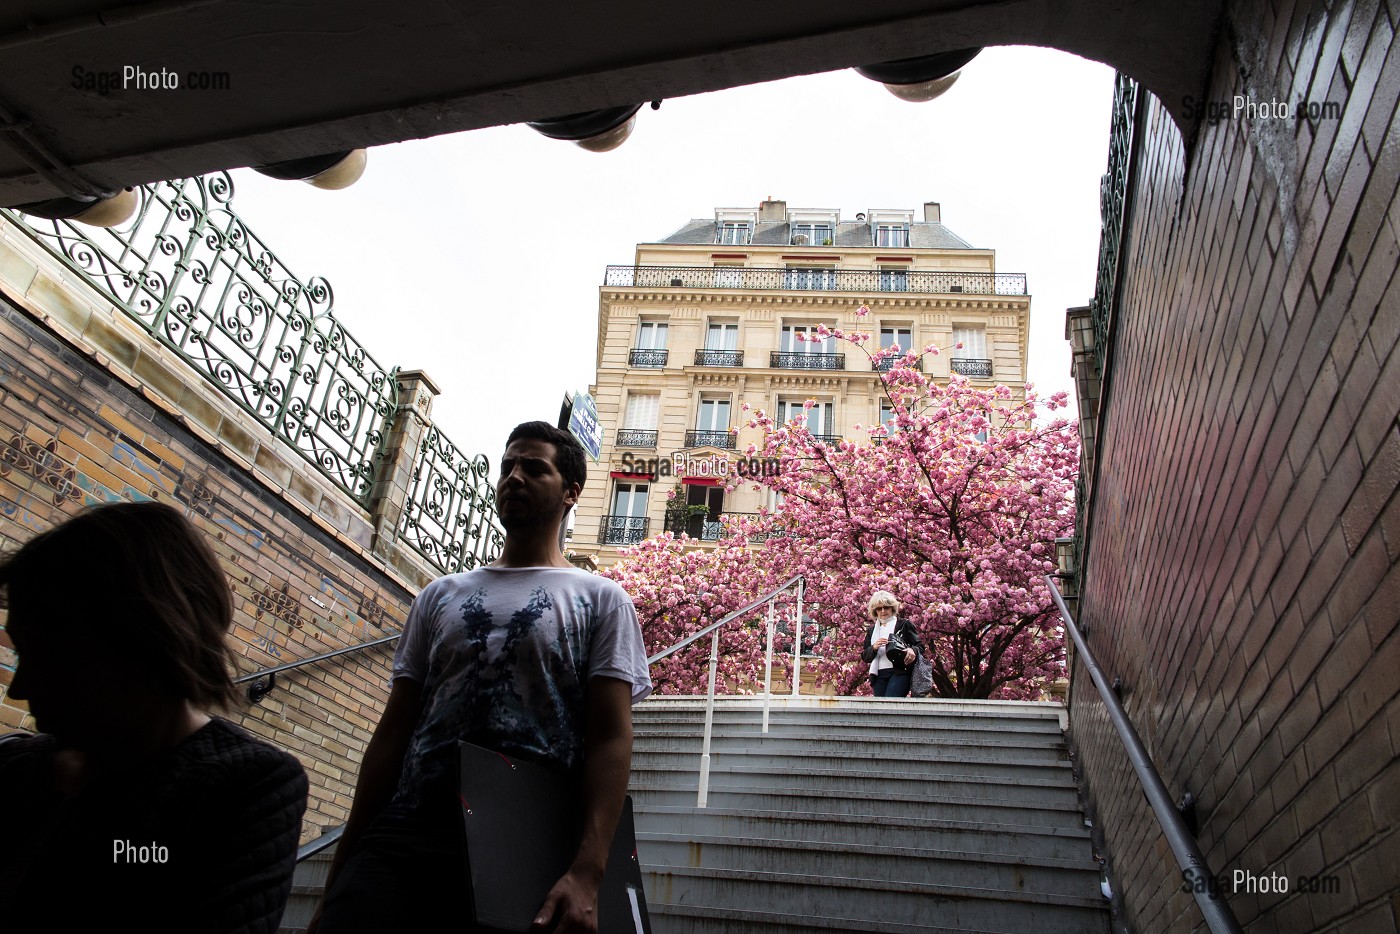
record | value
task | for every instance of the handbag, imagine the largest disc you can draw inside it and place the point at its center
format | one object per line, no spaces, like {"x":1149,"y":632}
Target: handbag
{"x":895,"y":649}
{"x":921,"y":684}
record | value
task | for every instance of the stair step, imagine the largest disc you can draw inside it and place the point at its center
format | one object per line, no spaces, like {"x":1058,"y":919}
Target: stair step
{"x":920,"y":906}
{"x":1064,"y":816}
{"x":853,"y":758}
{"x":857,"y":785}
{"x":897,"y":860}
{"x":828,"y":829}
{"x":1025,"y":747}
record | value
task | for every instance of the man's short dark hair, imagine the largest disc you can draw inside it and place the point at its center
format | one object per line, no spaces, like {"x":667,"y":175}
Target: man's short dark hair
{"x":568,"y":453}
{"x":137,"y":580}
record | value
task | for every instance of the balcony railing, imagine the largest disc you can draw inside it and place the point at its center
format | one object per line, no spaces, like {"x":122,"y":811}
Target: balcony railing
{"x":701,"y":528}
{"x":972,"y":367}
{"x":888,"y":363}
{"x":622,"y":530}
{"x":703,"y":438}
{"x":787,"y":360}
{"x":827,"y":439}
{"x":719,"y":358}
{"x":780,"y":278}
{"x":636,"y":438}
{"x":647,"y":357}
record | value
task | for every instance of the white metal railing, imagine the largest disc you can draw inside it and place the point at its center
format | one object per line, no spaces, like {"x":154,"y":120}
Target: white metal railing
{"x":799,"y":585}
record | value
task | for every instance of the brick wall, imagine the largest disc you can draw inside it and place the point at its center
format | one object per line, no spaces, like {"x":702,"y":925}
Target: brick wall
{"x":72,"y":434}
{"x":1242,"y":571}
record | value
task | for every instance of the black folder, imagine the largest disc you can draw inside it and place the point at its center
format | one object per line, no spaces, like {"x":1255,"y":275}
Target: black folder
{"x":523,"y":824}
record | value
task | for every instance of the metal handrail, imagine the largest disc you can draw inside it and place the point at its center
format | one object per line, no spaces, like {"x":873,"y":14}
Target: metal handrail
{"x":814,"y":279}
{"x":712,"y":630}
{"x":1194,"y":869}
{"x":258,"y":691}
{"x":311,"y":847}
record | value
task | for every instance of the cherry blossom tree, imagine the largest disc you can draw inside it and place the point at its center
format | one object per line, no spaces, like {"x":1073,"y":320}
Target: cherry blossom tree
{"x":953,"y":505}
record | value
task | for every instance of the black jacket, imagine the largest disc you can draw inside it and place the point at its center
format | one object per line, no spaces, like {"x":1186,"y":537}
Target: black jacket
{"x":906,"y":633}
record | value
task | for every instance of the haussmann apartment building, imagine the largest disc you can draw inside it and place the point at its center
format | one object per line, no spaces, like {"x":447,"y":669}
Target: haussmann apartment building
{"x":714,"y":315}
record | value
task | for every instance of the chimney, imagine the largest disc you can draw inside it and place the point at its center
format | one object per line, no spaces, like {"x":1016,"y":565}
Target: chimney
{"x":933,"y":214}
{"x":771,"y":210}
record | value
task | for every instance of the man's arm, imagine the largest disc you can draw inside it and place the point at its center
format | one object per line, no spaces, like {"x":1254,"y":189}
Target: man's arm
{"x":572,"y":905}
{"x":380,"y":768}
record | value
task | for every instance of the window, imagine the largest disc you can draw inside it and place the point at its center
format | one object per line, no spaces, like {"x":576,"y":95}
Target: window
{"x":735,"y":233}
{"x":630,"y":500}
{"x":651,"y":335}
{"x":722,"y":335}
{"x":887,"y":416}
{"x":819,"y":416}
{"x":973,"y":343}
{"x":894,"y":279}
{"x":892,"y":235}
{"x":903,"y":338}
{"x":792,"y":341}
{"x":642,"y":412}
{"x":627,"y":524}
{"x":819,"y":278}
{"x":729,"y":275}
{"x":704,"y":526}
{"x":713,"y":415}
{"x":970,"y":353}
{"x":811,"y":234}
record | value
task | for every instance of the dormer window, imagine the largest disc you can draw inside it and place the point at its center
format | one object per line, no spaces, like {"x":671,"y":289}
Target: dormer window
{"x":811,"y":235}
{"x":894,"y":235}
{"x":735,"y":233}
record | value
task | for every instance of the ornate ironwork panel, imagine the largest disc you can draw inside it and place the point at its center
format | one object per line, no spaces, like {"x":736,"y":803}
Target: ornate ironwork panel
{"x":1113,"y":193}
{"x":719,"y":358}
{"x":635,"y":438}
{"x":785,"y":360}
{"x":971,"y":367}
{"x":192,"y":273}
{"x":769,"y":278}
{"x":711,"y":439}
{"x":888,"y":364}
{"x":650,"y":358}
{"x":450,"y":515}
{"x":827,"y":439}
{"x":622,"y":530}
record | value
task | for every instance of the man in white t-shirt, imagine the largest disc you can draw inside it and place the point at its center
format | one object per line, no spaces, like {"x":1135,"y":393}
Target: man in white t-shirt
{"x":530,"y":656}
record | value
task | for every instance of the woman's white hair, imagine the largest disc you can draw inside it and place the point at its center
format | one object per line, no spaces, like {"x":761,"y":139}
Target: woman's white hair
{"x":882,"y":598}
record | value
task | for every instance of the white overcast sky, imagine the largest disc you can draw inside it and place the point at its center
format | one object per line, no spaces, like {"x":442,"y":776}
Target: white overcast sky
{"x":477,"y":256}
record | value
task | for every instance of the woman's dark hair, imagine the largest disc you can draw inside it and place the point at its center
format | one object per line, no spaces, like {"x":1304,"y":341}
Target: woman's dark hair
{"x":134,"y":579}
{"x":568,"y":453}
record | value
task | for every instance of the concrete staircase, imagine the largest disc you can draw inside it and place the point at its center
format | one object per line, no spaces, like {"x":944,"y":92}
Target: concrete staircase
{"x":905,"y":817}
{"x":863,"y":815}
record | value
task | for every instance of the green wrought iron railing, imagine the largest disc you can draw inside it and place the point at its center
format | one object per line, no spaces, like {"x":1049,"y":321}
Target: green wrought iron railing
{"x":1115,"y":204}
{"x":195,"y":277}
{"x":1113,"y":195}
{"x":450,"y":516}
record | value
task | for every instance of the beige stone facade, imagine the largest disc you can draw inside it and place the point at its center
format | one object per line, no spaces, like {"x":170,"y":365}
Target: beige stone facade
{"x":709,"y":319}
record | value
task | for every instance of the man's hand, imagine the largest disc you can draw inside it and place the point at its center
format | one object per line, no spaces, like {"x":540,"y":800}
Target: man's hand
{"x":571,"y":907}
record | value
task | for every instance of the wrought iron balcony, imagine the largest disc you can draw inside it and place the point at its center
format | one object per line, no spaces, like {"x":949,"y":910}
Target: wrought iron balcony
{"x":888,"y":363}
{"x":701,"y":528}
{"x":972,"y":367}
{"x":719,"y":358}
{"x":622,"y":530}
{"x":782,"y":278}
{"x":787,"y":360}
{"x":635,"y":438}
{"x":641,"y":356}
{"x":702,"y":438}
{"x":827,"y":439}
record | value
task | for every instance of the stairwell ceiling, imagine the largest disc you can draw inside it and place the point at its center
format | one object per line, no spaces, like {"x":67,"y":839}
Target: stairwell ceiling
{"x":320,"y":76}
